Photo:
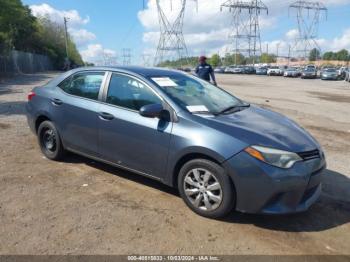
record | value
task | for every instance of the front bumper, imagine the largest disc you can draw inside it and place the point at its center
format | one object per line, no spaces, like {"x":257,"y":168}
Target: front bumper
{"x":326,"y":77}
{"x":308,"y":76}
{"x":261,"y":188}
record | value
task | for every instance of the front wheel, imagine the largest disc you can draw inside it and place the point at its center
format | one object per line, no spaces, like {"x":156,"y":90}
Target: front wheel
{"x":50,"y":141}
{"x":206,"y":188}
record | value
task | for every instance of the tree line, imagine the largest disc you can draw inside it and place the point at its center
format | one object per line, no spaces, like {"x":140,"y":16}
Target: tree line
{"x":238,"y":59}
{"x":216,"y":60}
{"x":341,"y":55}
{"x":21,"y":30}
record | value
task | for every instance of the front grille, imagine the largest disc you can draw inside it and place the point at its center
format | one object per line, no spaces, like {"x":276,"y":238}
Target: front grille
{"x":308,"y":155}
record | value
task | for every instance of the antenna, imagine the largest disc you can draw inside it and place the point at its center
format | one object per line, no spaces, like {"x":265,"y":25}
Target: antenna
{"x":308,"y":17}
{"x":171,"y":42}
{"x":244,"y":38}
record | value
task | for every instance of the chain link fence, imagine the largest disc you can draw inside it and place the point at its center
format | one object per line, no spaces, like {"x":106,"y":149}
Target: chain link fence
{"x":18,"y":62}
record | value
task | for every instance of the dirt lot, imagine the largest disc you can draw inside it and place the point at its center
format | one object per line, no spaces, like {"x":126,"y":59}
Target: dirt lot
{"x":84,"y":207}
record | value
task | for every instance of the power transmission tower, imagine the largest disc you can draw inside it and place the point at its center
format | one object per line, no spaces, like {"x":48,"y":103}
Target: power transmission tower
{"x":308,"y":17}
{"x":126,"y":54}
{"x":244,"y":38}
{"x":171,"y":42}
{"x":146,"y":59}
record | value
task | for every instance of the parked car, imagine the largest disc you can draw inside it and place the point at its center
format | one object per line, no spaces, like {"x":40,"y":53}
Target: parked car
{"x":329,"y":74}
{"x":309,"y":73}
{"x":219,"y":151}
{"x":347,"y":75}
{"x":249,"y":70}
{"x":219,"y":70}
{"x":274,"y":71}
{"x":342,"y":72}
{"x":261,"y":70}
{"x":229,"y":69}
{"x":237,"y":70}
{"x":291,"y":72}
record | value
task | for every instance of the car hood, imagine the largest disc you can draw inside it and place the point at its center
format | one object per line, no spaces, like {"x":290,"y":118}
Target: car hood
{"x":258,"y":126}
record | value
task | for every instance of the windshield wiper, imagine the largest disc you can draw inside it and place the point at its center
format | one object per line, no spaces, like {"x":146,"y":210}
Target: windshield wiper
{"x":235,"y":108}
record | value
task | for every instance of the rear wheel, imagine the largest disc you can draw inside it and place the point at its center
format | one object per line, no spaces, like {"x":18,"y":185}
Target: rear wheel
{"x":206,"y":188}
{"x":50,"y":141}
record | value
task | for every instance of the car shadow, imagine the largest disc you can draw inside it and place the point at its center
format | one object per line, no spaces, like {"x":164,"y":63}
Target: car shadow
{"x":331,"y":210}
{"x":75,"y":159}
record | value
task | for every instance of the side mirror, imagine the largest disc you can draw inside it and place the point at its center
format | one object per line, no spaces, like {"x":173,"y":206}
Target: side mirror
{"x":152,"y":111}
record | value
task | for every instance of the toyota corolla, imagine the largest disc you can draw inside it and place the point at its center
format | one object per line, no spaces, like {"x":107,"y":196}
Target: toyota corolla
{"x":220,"y":152}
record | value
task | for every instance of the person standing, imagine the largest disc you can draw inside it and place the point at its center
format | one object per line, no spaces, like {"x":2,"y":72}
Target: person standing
{"x":205,"y":71}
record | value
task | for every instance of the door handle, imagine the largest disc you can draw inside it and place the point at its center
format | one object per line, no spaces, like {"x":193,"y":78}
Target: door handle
{"x":56,"y":102}
{"x":106,"y":116}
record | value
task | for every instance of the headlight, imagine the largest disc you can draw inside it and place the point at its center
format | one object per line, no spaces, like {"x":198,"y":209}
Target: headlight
{"x":275,"y":157}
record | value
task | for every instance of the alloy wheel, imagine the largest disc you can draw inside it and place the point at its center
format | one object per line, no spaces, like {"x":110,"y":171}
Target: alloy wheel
{"x":203,"y":189}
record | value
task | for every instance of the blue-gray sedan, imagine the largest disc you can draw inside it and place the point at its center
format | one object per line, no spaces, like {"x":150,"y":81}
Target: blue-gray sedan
{"x":219,"y":151}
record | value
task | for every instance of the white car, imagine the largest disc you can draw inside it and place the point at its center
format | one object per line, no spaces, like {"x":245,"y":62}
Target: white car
{"x":274,"y":71}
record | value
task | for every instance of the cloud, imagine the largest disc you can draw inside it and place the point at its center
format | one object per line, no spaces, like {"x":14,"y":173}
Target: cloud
{"x":336,"y":44}
{"x":81,"y":36}
{"x":91,"y":52}
{"x":57,"y":15}
{"x":292,"y":34}
{"x":96,"y":53}
{"x":209,"y":28}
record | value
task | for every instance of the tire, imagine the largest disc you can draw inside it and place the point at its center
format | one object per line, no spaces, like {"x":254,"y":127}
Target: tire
{"x":50,"y":142}
{"x":213,"y":202}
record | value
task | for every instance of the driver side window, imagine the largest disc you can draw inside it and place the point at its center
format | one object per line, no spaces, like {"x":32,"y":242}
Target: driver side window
{"x":127,"y":92}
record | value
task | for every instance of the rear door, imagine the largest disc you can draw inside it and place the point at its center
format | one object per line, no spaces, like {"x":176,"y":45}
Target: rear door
{"x":125,"y":137}
{"x":77,"y":106}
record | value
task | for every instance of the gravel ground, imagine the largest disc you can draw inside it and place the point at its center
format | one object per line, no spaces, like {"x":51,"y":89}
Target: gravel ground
{"x":84,"y":207}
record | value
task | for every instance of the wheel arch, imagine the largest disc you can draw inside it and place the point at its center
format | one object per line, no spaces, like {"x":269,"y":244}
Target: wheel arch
{"x":41,"y":118}
{"x":186,"y":158}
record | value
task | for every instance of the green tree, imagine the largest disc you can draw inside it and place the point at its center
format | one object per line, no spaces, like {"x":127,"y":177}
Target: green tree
{"x":215,"y":60}
{"x":328,"y":56}
{"x":267,"y":58}
{"x":314,"y":54}
{"x":342,"y":55}
{"x":20,"y":30}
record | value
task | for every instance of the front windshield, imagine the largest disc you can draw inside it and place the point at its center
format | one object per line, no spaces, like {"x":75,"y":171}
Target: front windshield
{"x":331,"y":70}
{"x":195,"y":95}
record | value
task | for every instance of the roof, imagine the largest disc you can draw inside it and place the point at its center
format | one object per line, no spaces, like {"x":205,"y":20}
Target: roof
{"x":143,"y":71}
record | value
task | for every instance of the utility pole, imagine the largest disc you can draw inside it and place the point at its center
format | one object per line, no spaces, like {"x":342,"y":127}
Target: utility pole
{"x":308,"y":18}
{"x":277,"y":47}
{"x":66,"y":36}
{"x":267,"y":49}
{"x":67,"y":61}
{"x":289,"y":47}
{"x":244,"y":37}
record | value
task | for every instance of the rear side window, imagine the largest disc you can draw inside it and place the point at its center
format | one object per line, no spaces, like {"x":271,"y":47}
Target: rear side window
{"x":127,"y":92}
{"x":85,"y":85}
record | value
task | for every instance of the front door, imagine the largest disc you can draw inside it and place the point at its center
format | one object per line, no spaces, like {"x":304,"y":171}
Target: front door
{"x":125,"y":137}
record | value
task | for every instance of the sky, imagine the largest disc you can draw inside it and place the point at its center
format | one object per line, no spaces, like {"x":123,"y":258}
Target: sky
{"x":104,"y":28}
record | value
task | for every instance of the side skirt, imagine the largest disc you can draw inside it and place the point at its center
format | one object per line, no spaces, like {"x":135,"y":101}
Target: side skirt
{"x":114,"y":164}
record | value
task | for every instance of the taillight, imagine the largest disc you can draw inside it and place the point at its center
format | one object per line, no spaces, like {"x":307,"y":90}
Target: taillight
{"x":31,"y":95}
